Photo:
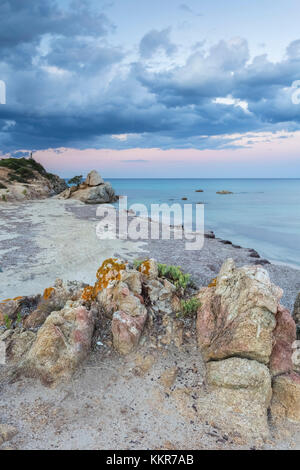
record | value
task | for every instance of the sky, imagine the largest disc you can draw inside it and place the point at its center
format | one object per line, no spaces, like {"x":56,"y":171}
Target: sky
{"x":133,"y":88}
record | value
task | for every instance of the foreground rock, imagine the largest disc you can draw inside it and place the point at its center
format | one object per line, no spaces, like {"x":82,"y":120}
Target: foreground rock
{"x":286,"y":397}
{"x":61,"y":344}
{"x":92,"y":191}
{"x":243,"y":389}
{"x":296,"y":314}
{"x":247,"y":338}
{"x":237,"y":315}
{"x":24,"y":179}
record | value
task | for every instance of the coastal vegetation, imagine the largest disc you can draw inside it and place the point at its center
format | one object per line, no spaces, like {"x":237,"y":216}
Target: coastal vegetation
{"x":76,"y":180}
{"x":23,"y":169}
{"x":25,"y":178}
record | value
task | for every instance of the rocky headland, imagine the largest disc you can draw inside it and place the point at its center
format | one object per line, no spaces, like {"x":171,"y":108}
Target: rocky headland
{"x":24,"y":179}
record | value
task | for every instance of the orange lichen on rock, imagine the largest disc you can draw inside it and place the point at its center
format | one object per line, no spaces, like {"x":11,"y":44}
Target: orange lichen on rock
{"x":145,"y":267}
{"x":18,"y":298}
{"x":213,"y":283}
{"x":6,"y":300}
{"x":109,"y":271}
{"x":87,"y":293}
{"x":48,"y":292}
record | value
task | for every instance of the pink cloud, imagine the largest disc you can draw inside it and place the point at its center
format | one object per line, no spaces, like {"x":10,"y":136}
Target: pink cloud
{"x":259,"y":155}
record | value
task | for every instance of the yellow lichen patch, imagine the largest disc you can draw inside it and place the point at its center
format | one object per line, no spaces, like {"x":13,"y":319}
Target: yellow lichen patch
{"x":145,"y":267}
{"x":109,"y":271}
{"x":48,"y":292}
{"x":213,"y":282}
{"x":87,"y":293}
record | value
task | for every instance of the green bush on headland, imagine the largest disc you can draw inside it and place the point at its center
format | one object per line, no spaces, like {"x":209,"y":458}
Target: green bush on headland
{"x":23,"y":169}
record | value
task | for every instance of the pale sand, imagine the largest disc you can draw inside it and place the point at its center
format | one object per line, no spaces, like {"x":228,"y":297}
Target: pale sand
{"x":44,"y":240}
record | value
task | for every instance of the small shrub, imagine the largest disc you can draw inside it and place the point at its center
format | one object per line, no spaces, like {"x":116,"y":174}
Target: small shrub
{"x":4,"y":197}
{"x":175,"y":275}
{"x":189,"y":307}
{"x":7,"y":322}
{"x":137,"y":264}
{"x":76,"y":180}
{"x":24,"y":192}
{"x":2,"y":186}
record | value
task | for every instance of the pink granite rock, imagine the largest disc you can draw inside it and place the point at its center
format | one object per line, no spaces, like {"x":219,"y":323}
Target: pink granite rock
{"x":237,"y":316}
{"x":284,"y":336}
{"x":126,"y":331}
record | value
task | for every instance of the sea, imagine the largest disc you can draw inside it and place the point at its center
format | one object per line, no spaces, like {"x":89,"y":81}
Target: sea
{"x":263,"y":214}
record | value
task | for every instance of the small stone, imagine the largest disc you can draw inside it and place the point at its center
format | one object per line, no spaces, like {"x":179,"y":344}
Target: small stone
{"x":168,"y":378}
{"x":7,"y":432}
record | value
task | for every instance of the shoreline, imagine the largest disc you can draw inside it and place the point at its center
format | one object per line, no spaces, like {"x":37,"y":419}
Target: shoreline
{"x":48,"y":239}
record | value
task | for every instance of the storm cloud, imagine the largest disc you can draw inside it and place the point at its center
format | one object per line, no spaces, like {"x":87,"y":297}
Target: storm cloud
{"x":71,"y":83}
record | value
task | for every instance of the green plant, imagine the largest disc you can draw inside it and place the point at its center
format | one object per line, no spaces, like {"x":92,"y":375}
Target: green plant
{"x":7,"y":322}
{"x":76,"y":180}
{"x":3,"y":197}
{"x":2,"y":186}
{"x":137,"y":263}
{"x":24,"y":192}
{"x":19,"y":318}
{"x":174,"y":274}
{"x":24,"y":169}
{"x":189,"y":307}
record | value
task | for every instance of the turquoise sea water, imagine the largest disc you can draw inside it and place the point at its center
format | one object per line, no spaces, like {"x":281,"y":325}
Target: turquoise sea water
{"x":262,"y":213}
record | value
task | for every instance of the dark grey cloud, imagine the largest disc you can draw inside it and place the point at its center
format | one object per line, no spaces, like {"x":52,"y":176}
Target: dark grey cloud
{"x":26,"y":21}
{"x":70,"y":84}
{"x":155,"y":41}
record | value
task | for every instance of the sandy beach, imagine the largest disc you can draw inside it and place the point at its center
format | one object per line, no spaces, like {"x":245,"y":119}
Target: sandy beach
{"x":49,"y":239}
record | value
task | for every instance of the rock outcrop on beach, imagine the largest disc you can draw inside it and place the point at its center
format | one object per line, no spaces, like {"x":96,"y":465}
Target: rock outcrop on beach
{"x":296,"y":314}
{"x":92,"y":191}
{"x":24,"y":179}
{"x":224,"y":191}
{"x":245,"y":337}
